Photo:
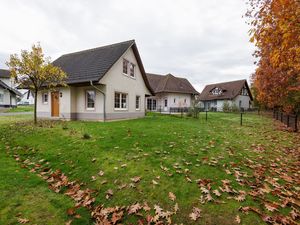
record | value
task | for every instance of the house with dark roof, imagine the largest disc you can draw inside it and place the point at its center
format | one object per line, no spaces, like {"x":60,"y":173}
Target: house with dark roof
{"x":104,"y":83}
{"x":8,"y":92}
{"x":236,"y":93}
{"x":170,"y":92}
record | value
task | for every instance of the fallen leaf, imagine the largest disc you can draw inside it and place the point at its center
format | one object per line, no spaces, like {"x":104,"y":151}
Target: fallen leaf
{"x":172,"y":197}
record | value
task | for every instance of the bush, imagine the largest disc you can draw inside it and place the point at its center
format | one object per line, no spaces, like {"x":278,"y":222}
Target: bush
{"x":226,"y":106}
{"x":235,"y":108}
{"x":86,"y":136}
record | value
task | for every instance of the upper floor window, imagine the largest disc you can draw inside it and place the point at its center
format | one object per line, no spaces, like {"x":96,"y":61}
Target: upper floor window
{"x":125,"y":66}
{"x":120,"y":100}
{"x":244,"y":91}
{"x":45,"y":98}
{"x":128,"y":68}
{"x":217,"y":91}
{"x":90,"y":99}
{"x":131,"y":69}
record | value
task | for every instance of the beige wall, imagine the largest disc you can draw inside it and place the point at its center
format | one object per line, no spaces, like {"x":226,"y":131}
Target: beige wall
{"x":116,"y":81}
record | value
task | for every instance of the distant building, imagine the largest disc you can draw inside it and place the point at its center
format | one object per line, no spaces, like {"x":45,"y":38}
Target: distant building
{"x":8,"y":93}
{"x":170,"y":92}
{"x":236,"y":93}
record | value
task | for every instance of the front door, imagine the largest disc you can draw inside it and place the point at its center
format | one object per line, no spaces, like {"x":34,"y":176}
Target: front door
{"x":55,"y":104}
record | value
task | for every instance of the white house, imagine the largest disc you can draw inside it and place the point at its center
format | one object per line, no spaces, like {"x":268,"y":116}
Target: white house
{"x":104,"y":83}
{"x":27,"y":97}
{"x":236,"y":93}
{"x":171,"y":93}
{"x":8,"y":93}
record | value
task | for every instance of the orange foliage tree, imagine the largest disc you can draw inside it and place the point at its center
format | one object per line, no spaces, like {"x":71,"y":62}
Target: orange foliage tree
{"x":275,"y":30}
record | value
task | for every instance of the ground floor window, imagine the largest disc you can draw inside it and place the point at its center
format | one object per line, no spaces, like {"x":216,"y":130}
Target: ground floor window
{"x":45,"y":98}
{"x":120,"y":100}
{"x":166,"y":102}
{"x":137,"y":102}
{"x":151,"y":104}
{"x":90,"y":99}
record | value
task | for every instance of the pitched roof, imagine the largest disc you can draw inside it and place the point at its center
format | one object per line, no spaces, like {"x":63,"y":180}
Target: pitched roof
{"x":229,"y":89}
{"x":5,"y":86}
{"x":4,"y":73}
{"x":93,"y":64}
{"x":170,"y":83}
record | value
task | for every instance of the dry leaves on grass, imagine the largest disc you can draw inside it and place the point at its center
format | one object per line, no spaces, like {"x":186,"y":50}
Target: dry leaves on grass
{"x":195,"y":214}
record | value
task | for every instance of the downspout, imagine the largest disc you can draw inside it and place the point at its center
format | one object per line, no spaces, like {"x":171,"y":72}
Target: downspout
{"x":104,"y":111}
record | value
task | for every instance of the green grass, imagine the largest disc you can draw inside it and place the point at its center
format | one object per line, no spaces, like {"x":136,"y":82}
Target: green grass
{"x":21,"y":108}
{"x":144,"y":145}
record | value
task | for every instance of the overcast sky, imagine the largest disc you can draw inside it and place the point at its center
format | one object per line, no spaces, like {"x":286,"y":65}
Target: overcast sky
{"x":205,"y":41}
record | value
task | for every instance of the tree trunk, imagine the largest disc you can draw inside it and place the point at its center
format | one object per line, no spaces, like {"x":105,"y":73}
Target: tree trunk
{"x":35,"y":106}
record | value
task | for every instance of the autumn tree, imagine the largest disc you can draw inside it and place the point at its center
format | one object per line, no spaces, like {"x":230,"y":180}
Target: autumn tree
{"x":33,"y":71}
{"x":275,"y":30}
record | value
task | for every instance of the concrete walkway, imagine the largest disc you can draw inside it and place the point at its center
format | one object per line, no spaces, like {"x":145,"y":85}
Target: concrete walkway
{"x":16,"y":113}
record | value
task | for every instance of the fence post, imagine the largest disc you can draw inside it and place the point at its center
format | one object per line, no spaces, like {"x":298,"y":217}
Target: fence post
{"x":281,"y":116}
{"x":296,"y":122}
{"x":206,"y":115}
{"x":241,"y":119}
{"x":288,"y":120}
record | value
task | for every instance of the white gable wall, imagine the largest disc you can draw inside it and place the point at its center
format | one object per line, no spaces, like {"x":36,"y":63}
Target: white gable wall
{"x":116,"y":81}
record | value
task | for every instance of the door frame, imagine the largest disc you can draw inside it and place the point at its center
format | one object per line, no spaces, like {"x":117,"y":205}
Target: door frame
{"x":53,"y":93}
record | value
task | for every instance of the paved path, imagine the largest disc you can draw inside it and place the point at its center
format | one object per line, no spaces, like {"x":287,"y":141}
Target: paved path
{"x":16,"y":113}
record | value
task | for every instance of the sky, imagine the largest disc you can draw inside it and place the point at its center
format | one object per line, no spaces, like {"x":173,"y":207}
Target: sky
{"x":205,"y":41}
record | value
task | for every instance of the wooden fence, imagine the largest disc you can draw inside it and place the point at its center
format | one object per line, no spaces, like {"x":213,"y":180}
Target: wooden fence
{"x":290,"y":120}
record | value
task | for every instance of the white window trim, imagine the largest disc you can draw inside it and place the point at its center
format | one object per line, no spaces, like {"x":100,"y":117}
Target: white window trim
{"x":127,"y":101}
{"x":128,"y":69}
{"x":139,"y":108}
{"x":43,"y":98}
{"x":86,"y":100}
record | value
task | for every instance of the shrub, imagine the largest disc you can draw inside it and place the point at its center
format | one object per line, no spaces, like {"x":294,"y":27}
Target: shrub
{"x":226,"y":106}
{"x":235,"y":108}
{"x":86,"y":136}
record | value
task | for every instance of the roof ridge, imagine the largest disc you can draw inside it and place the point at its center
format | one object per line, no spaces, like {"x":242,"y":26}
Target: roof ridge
{"x":226,"y":82}
{"x":97,"y":48}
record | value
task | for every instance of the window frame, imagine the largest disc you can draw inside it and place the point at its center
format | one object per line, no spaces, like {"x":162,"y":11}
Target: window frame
{"x":133,"y":65}
{"x":125,"y":60}
{"x":86,"y":100}
{"x":138,"y":101}
{"x":120,"y":100}
{"x":43,"y":98}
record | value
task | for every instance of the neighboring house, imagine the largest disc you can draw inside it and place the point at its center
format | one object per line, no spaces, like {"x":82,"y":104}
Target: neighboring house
{"x":104,"y":83}
{"x":27,"y":97}
{"x":236,"y":93}
{"x":170,"y":92}
{"x":8,"y":93}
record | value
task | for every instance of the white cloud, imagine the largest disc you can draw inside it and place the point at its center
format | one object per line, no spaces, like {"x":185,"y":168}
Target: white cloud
{"x":204,"y":41}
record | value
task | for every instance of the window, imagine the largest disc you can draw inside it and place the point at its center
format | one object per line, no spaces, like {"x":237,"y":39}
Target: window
{"x":151,"y":104}
{"x":166,"y":102}
{"x":244,"y":91}
{"x":125,"y":66}
{"x":217,"y":91}
{"x":120,"y":100}
{"x":137,"y":102}
{"x":174,"y":100}
{"x":185,"y":100}
{"x":90,"y":99}
{"x":1,"y":97}
{"x":131,"y":69}
{"x":45,"y":98}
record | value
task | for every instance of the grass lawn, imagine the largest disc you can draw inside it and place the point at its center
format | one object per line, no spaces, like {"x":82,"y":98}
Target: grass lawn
{"x":252,"y":166}
{"x":21,"y":108}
